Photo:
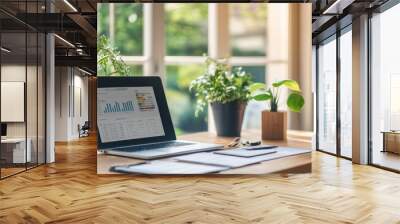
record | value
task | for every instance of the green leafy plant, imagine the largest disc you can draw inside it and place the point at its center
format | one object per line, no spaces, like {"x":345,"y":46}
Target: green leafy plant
{"x":295,"y":101}
{"x":109,"y":61}
{"x":220,"y":84}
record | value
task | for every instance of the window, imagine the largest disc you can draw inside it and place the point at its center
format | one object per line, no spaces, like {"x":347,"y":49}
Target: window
{"x":137,"y":70}
{"x":248,"y":38}
{"x":252,"y":116}
{"x":346,"y":94}
{"x":186,"y":28}
{"x":385,"y":86}
{"x":334,"y":94}
{"x":327,"y":96}
{"x":181,"y":101}
{"x":103,"y":20}
{"x":123,"y":24}
{"x":22,"y":69}
{"x":128,"y":28}
{"x":248,"y":29}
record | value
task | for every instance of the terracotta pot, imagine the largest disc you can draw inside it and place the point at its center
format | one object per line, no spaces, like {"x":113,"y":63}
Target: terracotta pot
{"x":274,"y":125}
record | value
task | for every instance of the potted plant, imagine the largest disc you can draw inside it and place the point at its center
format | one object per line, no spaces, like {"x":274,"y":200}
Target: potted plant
{"x":274,"y":122}
{"x":109,"y":61}
{"x":227,"y":91}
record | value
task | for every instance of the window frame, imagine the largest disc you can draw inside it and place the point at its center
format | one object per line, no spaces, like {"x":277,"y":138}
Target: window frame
{"x":179,"y":60}
{"x":381,"y":9}
{"x":154,"y":59}
{"x":334,"y":37}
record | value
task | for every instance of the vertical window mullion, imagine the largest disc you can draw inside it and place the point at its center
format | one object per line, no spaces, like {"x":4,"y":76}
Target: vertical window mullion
{"x":0,"y":94}
{"x":26,"y":88}
{"x":316,"y":97}
{"x":111,"y":22}
{"x":338,"y":76}
{"x":154,"y":41}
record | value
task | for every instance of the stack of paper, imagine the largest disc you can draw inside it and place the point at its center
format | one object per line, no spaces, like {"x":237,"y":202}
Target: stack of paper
{"x":208,"y":162}
{"x":245,"y":153}
{"x":168,"y":167}
{"x":217,"y":159}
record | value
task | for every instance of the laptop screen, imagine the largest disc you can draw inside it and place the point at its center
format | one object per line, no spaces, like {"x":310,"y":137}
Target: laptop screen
{"x":128,"y":113}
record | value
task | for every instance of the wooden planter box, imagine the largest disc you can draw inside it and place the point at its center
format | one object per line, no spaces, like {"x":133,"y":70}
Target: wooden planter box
{"x":274,"y":125}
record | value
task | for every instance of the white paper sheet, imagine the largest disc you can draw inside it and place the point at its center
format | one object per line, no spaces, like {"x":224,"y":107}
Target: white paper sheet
{"x":168,"y":167}
{"x":211,"y":158}
{"x":245,"y":153}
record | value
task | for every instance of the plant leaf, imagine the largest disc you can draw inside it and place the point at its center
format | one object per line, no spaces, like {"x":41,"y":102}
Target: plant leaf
{"x":256,"y":86}
{"x":290,"y":84}
{"x":262,"y":97}
{"x":295,"y":102}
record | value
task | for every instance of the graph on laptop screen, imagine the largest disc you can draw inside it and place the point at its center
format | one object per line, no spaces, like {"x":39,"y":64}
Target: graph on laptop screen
{"x":126,"y":113}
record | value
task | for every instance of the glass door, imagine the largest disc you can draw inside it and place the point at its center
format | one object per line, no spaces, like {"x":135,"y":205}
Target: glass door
{"x":22,"y":101}
{"x":13,"y":105}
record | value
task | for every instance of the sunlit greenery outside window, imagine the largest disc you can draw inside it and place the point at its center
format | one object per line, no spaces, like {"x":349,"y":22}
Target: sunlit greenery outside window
{"x":137,"y":70}
{"x":248,"y":29}
{"x":181,"y":101}
{"x":122,"y":24}
{"x":186,"y":40}
{"x":258,"y":72}
{"x":186,"y":30}
{"x":252,"y":116}
{"x":128,"y":28}
{"x":103,"y":20}
{"x":248,"y":38}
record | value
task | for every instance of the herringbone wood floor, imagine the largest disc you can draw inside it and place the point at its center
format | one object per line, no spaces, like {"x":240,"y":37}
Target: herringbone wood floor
{"x":70,"y":191}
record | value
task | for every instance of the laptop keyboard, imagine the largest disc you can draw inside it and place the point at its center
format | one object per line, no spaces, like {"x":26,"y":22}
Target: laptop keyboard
{"x":153,"y":146}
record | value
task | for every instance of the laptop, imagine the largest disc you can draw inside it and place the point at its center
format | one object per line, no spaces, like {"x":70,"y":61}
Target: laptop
{"x":133,"y":120}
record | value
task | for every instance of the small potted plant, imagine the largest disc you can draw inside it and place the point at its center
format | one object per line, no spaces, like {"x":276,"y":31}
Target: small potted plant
{"x":274,"y":122}
{"x":227,"y":91}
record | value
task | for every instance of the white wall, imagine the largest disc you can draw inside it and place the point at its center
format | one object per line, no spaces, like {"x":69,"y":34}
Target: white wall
{"x":12,"y":73}
{"x":71,"y":94}
{"x":80,"y":103}
{"x":33,"y":127}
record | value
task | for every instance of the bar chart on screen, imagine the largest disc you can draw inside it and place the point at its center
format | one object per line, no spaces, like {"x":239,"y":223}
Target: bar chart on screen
{"x":116,"y":107}
{"x":128,"y":113}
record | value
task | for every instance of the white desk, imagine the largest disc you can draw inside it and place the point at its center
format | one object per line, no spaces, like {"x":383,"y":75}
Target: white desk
{"x":17,"y":147}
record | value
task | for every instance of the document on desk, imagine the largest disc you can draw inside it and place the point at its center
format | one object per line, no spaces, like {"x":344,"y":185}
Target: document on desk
{"x":168,"y":167}
{"x":212,"y":158}
{"x":245,"y":153}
